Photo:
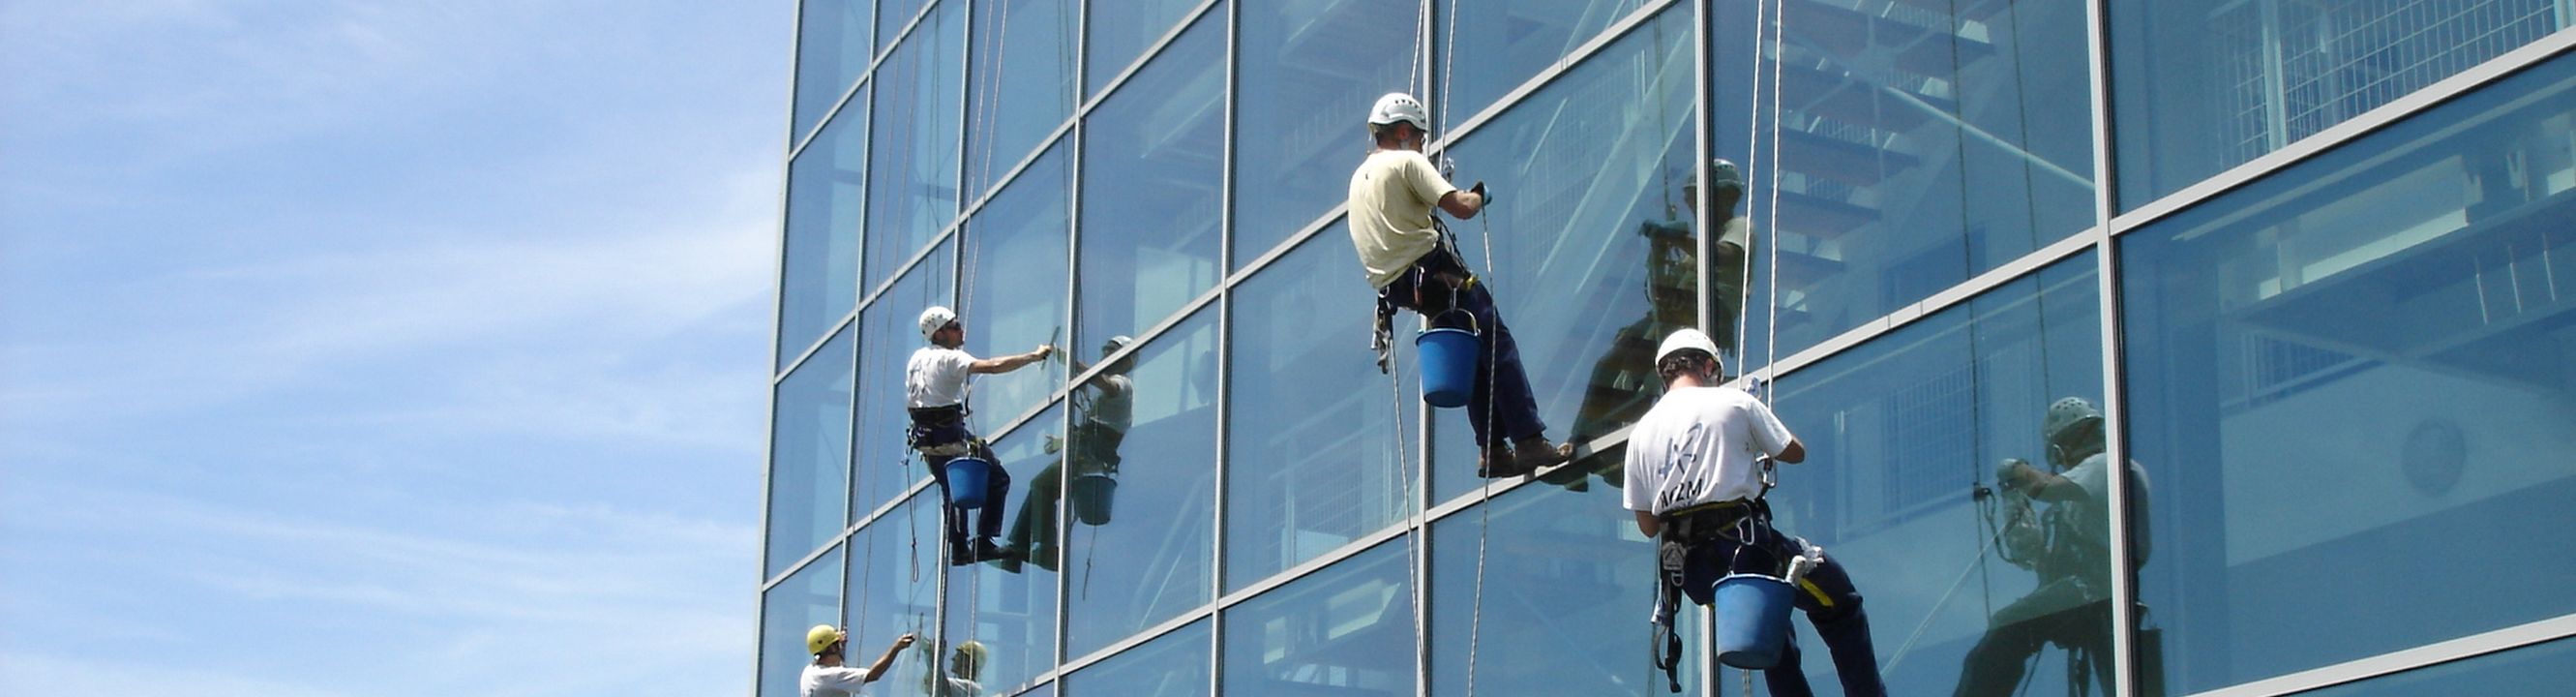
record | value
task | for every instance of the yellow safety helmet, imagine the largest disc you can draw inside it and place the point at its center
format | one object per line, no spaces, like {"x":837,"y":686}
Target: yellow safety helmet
{"x":821,"y":637}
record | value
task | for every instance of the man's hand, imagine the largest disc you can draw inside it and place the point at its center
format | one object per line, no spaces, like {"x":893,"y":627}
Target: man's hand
{"x":1482,"y":199}
{"x":2015,"y":473}
{"x":1042,"y":351}
{"x":903,"y":642}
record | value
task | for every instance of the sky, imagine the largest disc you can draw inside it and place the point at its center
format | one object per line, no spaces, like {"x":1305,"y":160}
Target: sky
{"x":385,"y":348}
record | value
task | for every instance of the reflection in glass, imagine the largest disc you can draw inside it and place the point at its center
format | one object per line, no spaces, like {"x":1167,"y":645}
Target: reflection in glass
{"x":1624,"y":384}
{"x":809,"y":454}
{"x":1172,"y":665}
{"x":2503,"y":673}
{"x":893,"y":586}
{"x":2054,"y":520}
{"x":2200,"y":86}
{"x":1152,"y":559}
{"x":1121,"y":30}
{"x":2358,"y":369}
{"x":1020,"y":86}
{"x":832,"y":41}
{"x":1916,"y":147}
{"x":1015,"y":280}
{"x":912,"y":194}
{"x":1007,"y":607}
{"x":809,"y":598}
{"x":1309,"y":72}
{"x":893,"y":16}
{"x":819,"y":281}
{"x":1568,"y":583}
{"x":883,"y":461}
{"x":1499,"y":45}
{"x":1904,"y":434}
{"x":1150,"y":168}
{"x":1344,"y":630}
{"x":1575,"y":171}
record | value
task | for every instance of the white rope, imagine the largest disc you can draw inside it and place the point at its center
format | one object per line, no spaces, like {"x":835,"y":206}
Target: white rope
{"x":1771,"y":339}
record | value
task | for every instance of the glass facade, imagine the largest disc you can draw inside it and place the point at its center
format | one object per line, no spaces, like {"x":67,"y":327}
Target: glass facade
{"x":2303,"y":426}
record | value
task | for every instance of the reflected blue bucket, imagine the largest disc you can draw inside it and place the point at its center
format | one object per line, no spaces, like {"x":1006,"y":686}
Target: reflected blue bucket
{"x":1448,"y":352}
{"x":1094,"y":498}
{"x":1752,"y":620}
{"x":966,"y":482}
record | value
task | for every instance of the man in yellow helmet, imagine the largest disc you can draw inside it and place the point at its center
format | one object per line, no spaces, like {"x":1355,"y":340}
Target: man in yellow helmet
{"x":826,"y":677}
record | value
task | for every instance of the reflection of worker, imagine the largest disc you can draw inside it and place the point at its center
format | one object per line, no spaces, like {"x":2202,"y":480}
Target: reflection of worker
{"x":826,"y":677}
{"x":964,"y":666}
{"x":934,"y":385}
{"x":2068,"y":545}
{"x":1623,"y":381}
{"x":1106,"y":406}
{"x":1694,"y":479}
{"x":1414,"y":265}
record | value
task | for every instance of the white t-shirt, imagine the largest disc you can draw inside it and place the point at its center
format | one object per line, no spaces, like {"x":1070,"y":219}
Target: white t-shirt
{"x":1113,"y":403}
{"x":1697,"y":446}
{"x":1392,"y":195}
{"x":834,"y":681}
{"x":936,"y":377}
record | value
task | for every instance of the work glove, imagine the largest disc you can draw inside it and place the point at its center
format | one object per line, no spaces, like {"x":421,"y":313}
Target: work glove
{"x":1479,"y":191}
{"x":1382,"y":341}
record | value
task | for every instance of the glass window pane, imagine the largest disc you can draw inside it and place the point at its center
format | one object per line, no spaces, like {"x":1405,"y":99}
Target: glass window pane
{"x":885,"y":464}
{"x":892,"y":589}
{"x":1313,"y":457}
{"x":1567,"y":583}
{"x":1020,"y":86}
{"x":1310,"y":72}
{"x":913,"y":193}
{"x":2518,"y":670}
{"x":1974,"y":587}
{"x":1145,"y":554}
{"x":832,"y":50}
{"x":809,"y":455}
{"x":2200,"y":86}
{"x":1915,"y":148}
{"x":820,"y":280}
{"x":1497,"y":46}
{"x":1590,"y":253}
{"x":893,"y":16}
{"x":1150,"y":167}
{"x":2358,"y":369}
{"x":1009,"y":606}
{"x":1016,"y":262}
{"x":1344,"y":630}
{"x":787,"y":610}
{"x":1172,"y":665}
{"x":1121,"y":30}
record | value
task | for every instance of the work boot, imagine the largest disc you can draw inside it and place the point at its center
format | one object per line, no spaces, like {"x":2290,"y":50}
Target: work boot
{"x":1533,"y":452}
{"x":1496,"y":462}
{"x":984,"y":550}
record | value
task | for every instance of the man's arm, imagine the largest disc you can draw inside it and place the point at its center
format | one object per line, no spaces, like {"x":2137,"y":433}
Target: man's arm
{"x":1462,"y":204}
{"x":1650,"y":525}
{"x":878,"y":669}
{"x":1005,"y":364}
{"x":1795,"y":453}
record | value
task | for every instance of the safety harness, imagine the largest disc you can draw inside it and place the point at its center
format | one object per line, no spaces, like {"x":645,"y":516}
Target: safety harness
{"x":1686,"y":559}
{"x":941,"y":431}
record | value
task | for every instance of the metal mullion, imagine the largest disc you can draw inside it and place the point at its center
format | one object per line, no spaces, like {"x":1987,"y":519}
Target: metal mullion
{"x":1156,"y":631}
{"x":1137,"y":65}
{"x":2394,"y":662}
{"x":1590,"y":47}
{"x":1224,"y":347}
{"x":1072,"y":314}
{"x":1416,"y":522}
{"x":777,"y":326}
{"x":2124,"y":590}
{"x":876,"y":58}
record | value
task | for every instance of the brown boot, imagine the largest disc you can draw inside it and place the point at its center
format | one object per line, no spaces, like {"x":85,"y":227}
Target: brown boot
{"x":1496,"y":462}
{"x":1534,"y":452}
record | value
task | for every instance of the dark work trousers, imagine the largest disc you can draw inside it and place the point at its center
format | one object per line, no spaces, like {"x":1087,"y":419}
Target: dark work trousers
{"x":988,"y":519}
{"x":1502,"y":390}
{"x":1831,"y":604}
{"x":1996,"y":665}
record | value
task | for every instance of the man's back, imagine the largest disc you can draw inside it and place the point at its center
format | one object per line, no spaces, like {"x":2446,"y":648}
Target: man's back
{"x":1698,"y":446}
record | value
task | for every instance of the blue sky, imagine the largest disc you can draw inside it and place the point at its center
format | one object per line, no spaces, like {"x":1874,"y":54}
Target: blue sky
{"x":355,"y":348}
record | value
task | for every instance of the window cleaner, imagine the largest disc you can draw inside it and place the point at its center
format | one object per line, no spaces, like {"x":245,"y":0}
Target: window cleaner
{"x":935,"y":391}
{"x":1413,"y":262}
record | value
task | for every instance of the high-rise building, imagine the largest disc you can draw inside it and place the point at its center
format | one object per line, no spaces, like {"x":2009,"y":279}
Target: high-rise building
{"x":2312,"y":262}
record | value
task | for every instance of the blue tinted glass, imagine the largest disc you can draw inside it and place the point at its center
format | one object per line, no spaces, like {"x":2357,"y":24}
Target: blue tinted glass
{"x":1974,"y":587}
{"x":2358,"y":369}
{"x":787,"y":610}
{"x":1009,"y":606}
{"x":832,"y":49}
{"x":893,"y":590}
{"x":1121,"y":30}
{"x":1566,"y":577}
{"x":2199,"y":86}
{"x":912,"y":194}
{"x":2518,"y":671}
{"x":809,"y":454}
{"x":1142,"y":554}
{"x":1020,"y":86}
{"x":1310,"y":72}
{"x":1150,"y":166}
{"x":819,"y":281}
{"x":1495,"y":47}
{"x":1016,"y":262}
{"x":890,"y":328}
{"x":1591,"y":256}
{"x":893,"y":16}
{"x":1915,"y":148}
{"x":1312,"y":452}
{"x":1172,"y":665}
{"x":1347,"y":629}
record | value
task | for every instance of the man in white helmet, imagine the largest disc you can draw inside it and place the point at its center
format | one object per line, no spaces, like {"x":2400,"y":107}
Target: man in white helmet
{"x":827,"y":677}
{"x":934,"y":385}
{"x":1413,"y":265}
{"x":1695,"y":482}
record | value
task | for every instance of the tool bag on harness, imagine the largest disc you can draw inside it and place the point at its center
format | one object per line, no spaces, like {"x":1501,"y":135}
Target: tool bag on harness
{"x":940,"y":431}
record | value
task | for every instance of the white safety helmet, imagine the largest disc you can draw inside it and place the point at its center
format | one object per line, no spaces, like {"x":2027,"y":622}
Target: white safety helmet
{"x":1398,"y":106}
{"x":1688,"y":338}
{"x":2065,"y":416}
{"x":935,"y":319}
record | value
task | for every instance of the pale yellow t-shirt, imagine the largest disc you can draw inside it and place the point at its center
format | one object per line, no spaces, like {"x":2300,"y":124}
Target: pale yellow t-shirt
{"x":1392,"y":196}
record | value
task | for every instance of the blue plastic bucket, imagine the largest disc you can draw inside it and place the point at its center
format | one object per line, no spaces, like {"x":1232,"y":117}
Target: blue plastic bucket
{"x":1094,"y":498}
{"x":1448,"y":360}
{"x":966,"y":482}
{"x":1752,"y":620}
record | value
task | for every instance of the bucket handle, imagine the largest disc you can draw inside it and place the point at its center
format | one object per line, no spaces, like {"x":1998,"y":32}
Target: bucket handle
{"x":1463,"y":319}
